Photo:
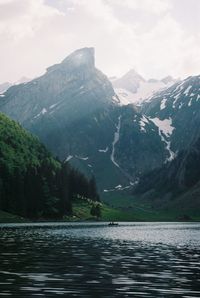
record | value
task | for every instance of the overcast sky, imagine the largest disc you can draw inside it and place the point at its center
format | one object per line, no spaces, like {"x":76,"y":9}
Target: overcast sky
{"x":156,"y":37}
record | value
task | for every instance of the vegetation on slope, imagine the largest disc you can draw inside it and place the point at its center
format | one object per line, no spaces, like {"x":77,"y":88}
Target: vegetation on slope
{"x":32,"y":183}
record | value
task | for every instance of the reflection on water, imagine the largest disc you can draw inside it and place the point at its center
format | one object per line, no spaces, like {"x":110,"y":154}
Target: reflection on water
{"x":89,"y":260}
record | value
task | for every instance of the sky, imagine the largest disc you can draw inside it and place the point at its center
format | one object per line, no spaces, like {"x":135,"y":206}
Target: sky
{"x":155,"y":37}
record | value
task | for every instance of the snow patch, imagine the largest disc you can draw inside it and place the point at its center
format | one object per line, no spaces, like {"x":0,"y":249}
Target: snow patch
{"x":145,"y":91}
{"x":143,"y":121}
{"x":53,"y":106}
{"x":2,"y":95}
{"x":187,"y":90}
{"x":44,"y":111}
{"x":68,"y":158}
{"x":190,"y":102}
{"x":125,"y":97}
{"x":163,"y":104}
{"x":172,"y":154}
{"x":118,"y":186}
{"x":115,"y":98}
{"x":165,"y":130}
{"x":116,"y":139}
{"x":180,"y":106}
{"x":165,"y":126}
{"x":82,"y":158}
{"x":176,"y":98}
{"x":103,"y":150}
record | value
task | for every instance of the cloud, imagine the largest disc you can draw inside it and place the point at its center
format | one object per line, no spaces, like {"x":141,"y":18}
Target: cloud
{"x":144,"y":34}
{"x":20,"y":18}
{"x":152,"y":6}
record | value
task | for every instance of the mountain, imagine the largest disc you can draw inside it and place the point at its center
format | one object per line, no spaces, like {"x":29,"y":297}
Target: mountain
{"x":74,"y":110}
{"x":32,"y":183}
{"x":133,"y":88}
{"x":178,"y":109}
{"x":130,"y":81}
{"x":22,"y":80}
{"x":56,"y":105}
{"x":168,"y":80}
{"x":177,"y":183}
{"x":4,"y":87}
{"x":74,"y":86}
{"x":176,"y":112}
{"x":76,"y":113}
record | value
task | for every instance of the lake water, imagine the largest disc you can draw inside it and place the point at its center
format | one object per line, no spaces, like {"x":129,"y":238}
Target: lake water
{"x":95,"y":260}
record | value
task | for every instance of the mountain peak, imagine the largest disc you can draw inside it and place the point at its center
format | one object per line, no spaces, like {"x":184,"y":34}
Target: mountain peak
{"x":130,"y":81}
{"x":79,"y":59}
{"x":132,"y":74}
{"x":84,"y":56}
{"x":168,"y":79}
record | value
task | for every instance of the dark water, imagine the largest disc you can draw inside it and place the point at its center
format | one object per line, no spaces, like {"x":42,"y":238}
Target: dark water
{"x":94,"y":260}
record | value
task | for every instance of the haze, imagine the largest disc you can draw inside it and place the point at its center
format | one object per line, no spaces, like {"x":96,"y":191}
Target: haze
{"x":156,"y":37}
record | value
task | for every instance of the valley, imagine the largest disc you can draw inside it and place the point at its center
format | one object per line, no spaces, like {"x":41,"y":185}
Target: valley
{"x":83,"y":120}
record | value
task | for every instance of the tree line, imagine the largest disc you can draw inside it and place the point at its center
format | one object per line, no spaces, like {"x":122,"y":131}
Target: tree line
{"x":44,"y":191}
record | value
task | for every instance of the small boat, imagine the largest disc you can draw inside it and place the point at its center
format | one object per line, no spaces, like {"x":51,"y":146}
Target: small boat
{"x":111,"y":224}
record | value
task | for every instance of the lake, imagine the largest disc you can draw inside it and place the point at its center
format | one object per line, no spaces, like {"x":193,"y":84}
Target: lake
{"x":95,"y":260}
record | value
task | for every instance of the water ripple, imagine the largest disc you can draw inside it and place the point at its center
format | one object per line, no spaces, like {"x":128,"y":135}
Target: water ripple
{"x":131,"y":260}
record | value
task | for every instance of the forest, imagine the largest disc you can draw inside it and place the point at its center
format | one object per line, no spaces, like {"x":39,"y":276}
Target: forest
{"x":33,"y":184}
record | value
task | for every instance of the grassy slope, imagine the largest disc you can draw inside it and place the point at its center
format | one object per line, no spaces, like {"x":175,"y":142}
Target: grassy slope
{"x":146,"y":210}
{"x":134,"y":212}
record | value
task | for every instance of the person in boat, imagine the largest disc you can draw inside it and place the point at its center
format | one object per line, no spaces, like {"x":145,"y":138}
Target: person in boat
{"x":113,"y":223}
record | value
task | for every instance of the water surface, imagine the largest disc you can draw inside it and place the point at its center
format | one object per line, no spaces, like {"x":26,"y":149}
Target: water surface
{"x":95,"y":260}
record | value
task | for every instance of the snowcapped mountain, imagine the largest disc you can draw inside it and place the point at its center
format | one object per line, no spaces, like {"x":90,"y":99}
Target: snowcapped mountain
{"x":74,"y":110}
{"x":178,"y":106}
{"x":133,"y":88}
{"x":176,"y":113}
{"x":130,"y":81}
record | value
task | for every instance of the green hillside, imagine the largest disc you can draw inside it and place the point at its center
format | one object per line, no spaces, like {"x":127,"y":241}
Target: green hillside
{"x":32,"y":183}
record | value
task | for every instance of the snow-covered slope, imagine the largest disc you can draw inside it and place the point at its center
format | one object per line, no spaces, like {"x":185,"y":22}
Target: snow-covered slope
{"x":179,"y":104}
{"x":133,"y":88}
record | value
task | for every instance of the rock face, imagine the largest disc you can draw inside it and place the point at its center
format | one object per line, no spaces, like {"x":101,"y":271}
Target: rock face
{"x":68,"y":92}
{"x":176,"y":183}
{"x":178,"y":105}
{"x":74,"y":110}
{"x":176,"y":111}
{"x":71,"y":87}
